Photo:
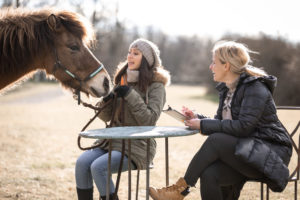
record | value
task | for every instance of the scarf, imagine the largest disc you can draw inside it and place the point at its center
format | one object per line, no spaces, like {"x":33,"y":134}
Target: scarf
{"x":132,"y":76}
{"x":226,"y":113}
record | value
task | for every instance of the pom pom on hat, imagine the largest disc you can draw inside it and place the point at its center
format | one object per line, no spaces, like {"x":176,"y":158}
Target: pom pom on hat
{"x":149,"y":50}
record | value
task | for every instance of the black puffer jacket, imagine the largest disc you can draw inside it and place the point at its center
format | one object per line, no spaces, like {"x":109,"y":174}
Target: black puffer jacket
{"x":254,"y":117}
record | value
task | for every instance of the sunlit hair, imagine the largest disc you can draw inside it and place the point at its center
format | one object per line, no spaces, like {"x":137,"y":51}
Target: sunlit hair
{"x":237,"y":55}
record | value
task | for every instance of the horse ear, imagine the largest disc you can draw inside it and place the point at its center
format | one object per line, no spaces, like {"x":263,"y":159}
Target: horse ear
{"x":53,"y":22}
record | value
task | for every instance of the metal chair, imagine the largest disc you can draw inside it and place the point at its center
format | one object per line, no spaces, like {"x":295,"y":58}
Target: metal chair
{"x":295,"y":174}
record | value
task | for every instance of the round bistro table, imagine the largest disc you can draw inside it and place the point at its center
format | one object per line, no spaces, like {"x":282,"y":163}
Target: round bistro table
{"x":137,"y":132}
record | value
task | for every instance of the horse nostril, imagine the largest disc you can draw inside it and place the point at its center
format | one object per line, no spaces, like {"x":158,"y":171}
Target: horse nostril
{"x":106,"y":84}
{"x":95,"y":92}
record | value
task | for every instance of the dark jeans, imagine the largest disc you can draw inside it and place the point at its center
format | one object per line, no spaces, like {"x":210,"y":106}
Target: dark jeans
{"x":216,"y":166}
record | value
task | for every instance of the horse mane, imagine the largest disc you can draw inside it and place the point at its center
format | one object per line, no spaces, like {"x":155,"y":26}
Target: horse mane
{"x":24,"y":34}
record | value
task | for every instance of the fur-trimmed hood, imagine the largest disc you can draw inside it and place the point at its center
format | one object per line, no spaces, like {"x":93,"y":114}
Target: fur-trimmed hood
{"x":163,"y":76}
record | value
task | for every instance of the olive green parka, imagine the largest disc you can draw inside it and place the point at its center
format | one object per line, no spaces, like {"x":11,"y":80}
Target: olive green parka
{"x":139,"y":109}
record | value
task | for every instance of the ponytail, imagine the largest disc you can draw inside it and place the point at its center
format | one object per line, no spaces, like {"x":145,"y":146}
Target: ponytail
{"x":255,"y":71}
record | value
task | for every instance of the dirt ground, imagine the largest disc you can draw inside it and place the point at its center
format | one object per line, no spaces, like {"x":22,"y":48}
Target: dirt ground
{"x":39,"y":124}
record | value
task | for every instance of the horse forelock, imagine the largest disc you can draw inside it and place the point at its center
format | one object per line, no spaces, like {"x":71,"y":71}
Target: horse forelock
{"x":25,"y":34}
{"x":78,"y":25}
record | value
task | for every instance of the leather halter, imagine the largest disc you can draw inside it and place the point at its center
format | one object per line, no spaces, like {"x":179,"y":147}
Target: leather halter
{"x":58,"y":64}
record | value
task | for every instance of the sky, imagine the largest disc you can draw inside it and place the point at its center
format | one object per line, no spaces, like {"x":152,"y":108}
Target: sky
{"x":207,"y":19}
{"x":213,"y":18}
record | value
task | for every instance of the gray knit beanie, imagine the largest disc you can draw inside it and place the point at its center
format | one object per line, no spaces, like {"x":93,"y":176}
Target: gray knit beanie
{"x":149,"y":50}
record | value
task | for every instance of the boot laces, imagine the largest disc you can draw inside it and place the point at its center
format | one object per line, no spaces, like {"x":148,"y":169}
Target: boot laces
{"x":173,"y":187}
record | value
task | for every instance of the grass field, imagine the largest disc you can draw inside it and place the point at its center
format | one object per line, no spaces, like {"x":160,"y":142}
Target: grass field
{"x":39,"y":124}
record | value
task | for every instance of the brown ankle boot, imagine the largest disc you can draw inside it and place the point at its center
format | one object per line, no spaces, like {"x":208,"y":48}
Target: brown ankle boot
{"x":174,"y":192}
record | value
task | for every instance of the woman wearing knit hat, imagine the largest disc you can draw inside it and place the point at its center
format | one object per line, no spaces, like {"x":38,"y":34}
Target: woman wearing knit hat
{"x":140,"y":97}
{"x":246,"y":140}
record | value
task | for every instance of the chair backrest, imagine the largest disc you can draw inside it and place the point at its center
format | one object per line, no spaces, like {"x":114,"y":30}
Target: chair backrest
{"x":295,"y":174}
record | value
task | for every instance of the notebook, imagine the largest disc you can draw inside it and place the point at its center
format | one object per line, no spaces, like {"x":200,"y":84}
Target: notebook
{"x":175,"y":114}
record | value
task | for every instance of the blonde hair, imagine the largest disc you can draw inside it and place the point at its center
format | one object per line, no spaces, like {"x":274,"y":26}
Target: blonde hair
{"x":237,"y":55}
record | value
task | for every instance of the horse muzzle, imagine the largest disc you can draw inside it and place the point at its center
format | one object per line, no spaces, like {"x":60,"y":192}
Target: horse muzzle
{"x":103,"y":90}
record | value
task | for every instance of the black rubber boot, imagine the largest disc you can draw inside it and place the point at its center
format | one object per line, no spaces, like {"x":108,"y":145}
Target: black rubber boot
{"x":110,"y":197}
{"x":85,"y":194}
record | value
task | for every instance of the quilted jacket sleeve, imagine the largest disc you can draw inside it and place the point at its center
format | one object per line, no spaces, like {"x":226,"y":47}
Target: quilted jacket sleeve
{"x":147,"y":114}
{"x":252,"y":106}
{"x":261,"y":157}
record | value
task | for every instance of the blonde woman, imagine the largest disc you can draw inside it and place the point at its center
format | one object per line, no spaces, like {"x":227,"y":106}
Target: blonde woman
{"x":245,"y":139}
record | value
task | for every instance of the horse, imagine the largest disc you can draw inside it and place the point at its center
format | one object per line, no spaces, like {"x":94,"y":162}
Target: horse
{"x":56,"y":41}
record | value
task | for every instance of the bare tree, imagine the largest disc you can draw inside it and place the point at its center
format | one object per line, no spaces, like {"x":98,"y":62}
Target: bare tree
{"x":7,"y":3}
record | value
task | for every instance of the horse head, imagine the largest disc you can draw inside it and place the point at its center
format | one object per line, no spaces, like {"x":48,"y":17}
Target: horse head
{"x":69,"y":58}
{"x":53,"y":40}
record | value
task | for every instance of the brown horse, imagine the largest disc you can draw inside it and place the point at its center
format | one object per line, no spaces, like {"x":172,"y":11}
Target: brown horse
{"x":53,"y":40}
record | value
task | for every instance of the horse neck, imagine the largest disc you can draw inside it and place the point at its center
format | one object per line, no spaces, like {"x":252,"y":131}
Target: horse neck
{"x":20,"y":73}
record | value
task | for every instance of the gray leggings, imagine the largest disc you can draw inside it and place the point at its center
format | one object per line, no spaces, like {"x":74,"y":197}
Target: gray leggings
{"x":216,"y":165}
{"x":92,"y":165}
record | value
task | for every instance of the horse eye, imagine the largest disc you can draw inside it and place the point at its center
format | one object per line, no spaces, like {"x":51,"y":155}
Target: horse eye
{"x":74,"y":48}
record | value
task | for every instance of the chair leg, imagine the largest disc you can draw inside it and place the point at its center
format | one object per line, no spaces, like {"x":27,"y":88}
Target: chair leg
{"x":261,"y":191}
{"x":137,"y":184}
{"x":268,"y":192}
{"x":296,"y":189}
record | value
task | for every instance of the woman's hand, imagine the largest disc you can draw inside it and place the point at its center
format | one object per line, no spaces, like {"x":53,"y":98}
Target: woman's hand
{"x":188,"y":113}
{"x":193,"y":123}
{"x":108,"y":97}
{"x":122,"y":90}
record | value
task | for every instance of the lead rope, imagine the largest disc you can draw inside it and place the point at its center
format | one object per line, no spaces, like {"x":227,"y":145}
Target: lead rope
{"x":122,"y":117}
{"x":110,"y":125}
{"x":122,"y":114}
{"x":98,"y":110}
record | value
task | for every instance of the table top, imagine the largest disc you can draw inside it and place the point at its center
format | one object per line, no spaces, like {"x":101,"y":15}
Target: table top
{"x":138,"y":132}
